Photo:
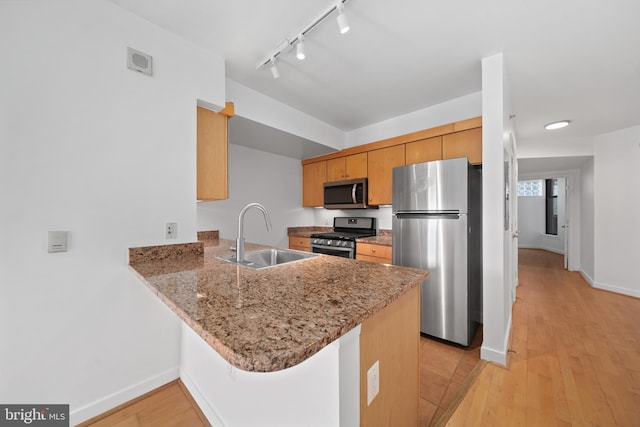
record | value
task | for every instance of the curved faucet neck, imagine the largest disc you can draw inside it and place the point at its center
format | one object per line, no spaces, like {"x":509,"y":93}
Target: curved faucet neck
{"x":240,"y":240}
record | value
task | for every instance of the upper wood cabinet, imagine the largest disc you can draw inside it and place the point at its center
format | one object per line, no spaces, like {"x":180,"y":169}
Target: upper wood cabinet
{"x":467,"y":143}
{"x":347,"y":167}
{"x":314,"y":175}
{"x":424,"y":150}
{"x":380,"y":165}
{"x":211,"y":165}
{"x":376,"y":160}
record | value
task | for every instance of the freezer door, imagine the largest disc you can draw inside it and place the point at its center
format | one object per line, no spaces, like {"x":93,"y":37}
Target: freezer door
{"x":440,"y":185}
{"x":437,"y":244}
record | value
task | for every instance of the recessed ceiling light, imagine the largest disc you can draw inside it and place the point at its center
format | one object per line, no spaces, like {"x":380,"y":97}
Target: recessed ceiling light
{"x":557,"y":125}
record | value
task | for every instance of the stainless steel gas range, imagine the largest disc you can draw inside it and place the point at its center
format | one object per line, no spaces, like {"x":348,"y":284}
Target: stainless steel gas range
{"x":342,"y":240}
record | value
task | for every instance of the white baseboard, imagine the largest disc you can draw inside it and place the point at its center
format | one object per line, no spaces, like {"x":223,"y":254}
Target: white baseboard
{"x":113,"y":400}
{"x":624,"y":291}
{"x":202,"y":402}
{"x":544,"y":248}
{"x":524,"y":246}
{"x":498,"y":356}
{"x":586,"y":277}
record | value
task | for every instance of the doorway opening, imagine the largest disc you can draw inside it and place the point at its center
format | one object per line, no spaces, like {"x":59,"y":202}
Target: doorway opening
{"x":543,"y":214}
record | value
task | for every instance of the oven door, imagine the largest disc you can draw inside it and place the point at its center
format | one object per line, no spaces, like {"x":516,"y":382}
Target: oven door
{"x":330,"y":250}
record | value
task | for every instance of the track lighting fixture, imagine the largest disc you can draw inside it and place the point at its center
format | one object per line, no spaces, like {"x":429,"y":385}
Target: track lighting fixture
{"x":341,"y":19}
{"x":298,"y":38}
{"x":274,"y":69}
{"x":300,"y":48}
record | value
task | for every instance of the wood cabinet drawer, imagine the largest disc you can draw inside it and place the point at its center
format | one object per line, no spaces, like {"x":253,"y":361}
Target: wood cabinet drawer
{"x":366,"y":251}
{"x":300,"y":243}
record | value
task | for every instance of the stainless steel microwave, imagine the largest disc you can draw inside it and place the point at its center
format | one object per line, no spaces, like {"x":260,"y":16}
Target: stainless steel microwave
{"x":351,"y":194}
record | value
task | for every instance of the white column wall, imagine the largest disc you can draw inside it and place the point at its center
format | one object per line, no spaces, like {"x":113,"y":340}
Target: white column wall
{"x":498,"y":263}
{"x":617,"y":211}
{"x":587,"y":207}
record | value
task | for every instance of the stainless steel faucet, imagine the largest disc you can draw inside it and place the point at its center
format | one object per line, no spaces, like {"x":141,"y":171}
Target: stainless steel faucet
{"x":240,"y":239}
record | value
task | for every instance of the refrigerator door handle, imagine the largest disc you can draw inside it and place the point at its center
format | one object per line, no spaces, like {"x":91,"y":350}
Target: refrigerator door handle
{"x":428,"y":215}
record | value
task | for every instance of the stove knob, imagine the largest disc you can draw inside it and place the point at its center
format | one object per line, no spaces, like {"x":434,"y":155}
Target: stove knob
{"x":328,"y":242}
{"x":343,"y":243}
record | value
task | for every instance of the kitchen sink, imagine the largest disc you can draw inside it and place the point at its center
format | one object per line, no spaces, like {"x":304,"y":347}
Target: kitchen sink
{"x":268,"y":258}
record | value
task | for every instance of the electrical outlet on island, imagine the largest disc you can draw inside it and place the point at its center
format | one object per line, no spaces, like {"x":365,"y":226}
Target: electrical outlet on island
{"x":373,"y":382}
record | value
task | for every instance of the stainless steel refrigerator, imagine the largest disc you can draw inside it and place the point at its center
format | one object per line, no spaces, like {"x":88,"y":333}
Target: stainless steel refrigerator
{"x":437,"y":226}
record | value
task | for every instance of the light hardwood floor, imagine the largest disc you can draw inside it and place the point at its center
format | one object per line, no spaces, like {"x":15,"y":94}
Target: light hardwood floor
{"x":575,"y":359}
{"x":169,"y":405}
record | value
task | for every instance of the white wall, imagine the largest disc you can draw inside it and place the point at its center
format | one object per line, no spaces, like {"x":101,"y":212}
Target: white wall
{"x":454,"y":110}
{"x":617,"y":211}
{"x":587,"y":224}
{"x":558,"y":147}
{"x":258,"y":176}
{"x":383,"y":215}
{"x":498,"y":260}
{"x":88,"y":146}
{"x":262,"y":109}
{"x":323,"y":390}
{"x":531,"y":221}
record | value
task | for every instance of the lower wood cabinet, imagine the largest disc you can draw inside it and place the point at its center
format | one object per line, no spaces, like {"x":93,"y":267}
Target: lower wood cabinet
{"x":391,"y":338}
{"x":300,"y":243}
{"x":373,"y":252}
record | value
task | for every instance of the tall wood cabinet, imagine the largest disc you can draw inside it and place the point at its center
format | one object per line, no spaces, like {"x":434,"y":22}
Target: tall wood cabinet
{"x":211,"y":151}
{"x":314,"y":175}
{"x":380,"y":166}
{"x":424,"y":150}
{"x":466,"y":143}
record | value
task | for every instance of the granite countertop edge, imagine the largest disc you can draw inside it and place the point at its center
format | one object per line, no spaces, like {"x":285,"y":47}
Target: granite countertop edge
{"x":187,"y":258}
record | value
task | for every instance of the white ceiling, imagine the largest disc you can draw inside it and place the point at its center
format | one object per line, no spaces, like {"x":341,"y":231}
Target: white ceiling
{"x":548,"y":167}
{"x":568,"y":59}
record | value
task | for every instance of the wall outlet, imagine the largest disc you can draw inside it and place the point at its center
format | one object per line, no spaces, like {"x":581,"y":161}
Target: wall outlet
{"x":171,"y":230}
{"x":373,"y":382}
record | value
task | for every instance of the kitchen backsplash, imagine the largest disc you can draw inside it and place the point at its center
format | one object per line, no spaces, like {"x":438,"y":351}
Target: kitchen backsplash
{"x":324,"y":217}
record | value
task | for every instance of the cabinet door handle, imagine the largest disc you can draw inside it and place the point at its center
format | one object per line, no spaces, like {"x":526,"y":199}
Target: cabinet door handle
{"x":373,"y":250}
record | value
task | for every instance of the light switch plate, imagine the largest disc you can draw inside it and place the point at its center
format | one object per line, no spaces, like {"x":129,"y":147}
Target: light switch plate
{"x":373,"y":382}
{"x":58,"y":241}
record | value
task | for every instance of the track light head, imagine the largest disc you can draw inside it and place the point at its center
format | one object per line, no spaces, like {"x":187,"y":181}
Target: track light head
{"x":341,"y":19}
{"x":274,"y":69}
{"x":300,"y":48}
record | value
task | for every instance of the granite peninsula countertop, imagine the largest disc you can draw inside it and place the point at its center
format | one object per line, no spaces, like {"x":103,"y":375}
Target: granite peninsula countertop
{"x":274,"y":318}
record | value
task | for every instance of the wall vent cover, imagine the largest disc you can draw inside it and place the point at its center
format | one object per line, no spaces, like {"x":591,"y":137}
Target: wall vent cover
{"x":139,"y":61}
